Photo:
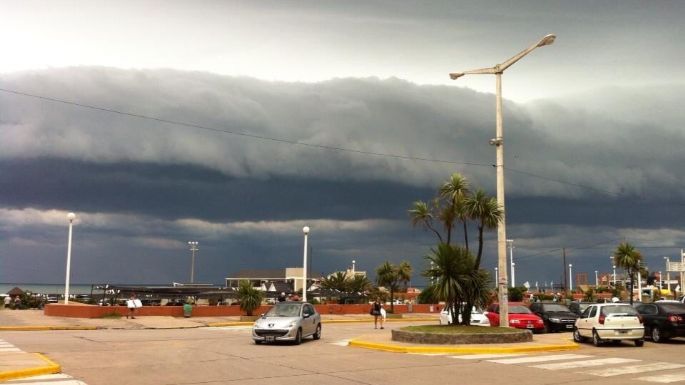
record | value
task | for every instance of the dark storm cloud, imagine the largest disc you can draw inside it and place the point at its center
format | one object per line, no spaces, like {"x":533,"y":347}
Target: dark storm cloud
{"x":604,"y":168}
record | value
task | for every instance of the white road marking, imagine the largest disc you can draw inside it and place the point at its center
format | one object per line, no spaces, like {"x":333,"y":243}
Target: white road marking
{"x":340,"y":343}
{"x":524,"y":360}
{"x":486,"y":356}
{"x":49,"y":379}
{"x":664,"y":378}
{"x":608,"y":372}
{"x":584,"y":364}
{"x":10,"y":349}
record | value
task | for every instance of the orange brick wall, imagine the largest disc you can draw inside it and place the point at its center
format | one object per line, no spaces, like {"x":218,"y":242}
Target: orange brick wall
{"x":90,"y":311}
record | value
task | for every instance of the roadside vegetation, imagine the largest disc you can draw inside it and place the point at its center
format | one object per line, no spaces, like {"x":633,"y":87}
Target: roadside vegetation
{"x":463,"y":329}
{"x":454,"y":272}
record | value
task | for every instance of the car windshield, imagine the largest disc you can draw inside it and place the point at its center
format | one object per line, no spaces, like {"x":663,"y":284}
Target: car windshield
{"x":554,"y":307}
{"x":677,"y":308}
{"x":519,"y":310}
{"x":618,"y":310}
{"x":284,"y":310}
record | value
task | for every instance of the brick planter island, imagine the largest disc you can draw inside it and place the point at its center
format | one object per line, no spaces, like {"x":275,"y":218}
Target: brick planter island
{"x":460,"y":338}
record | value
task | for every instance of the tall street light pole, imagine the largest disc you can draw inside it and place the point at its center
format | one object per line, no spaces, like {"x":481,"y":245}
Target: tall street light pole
{"x":510,"y":243}
{"x":668,"y":273}
{"x":305,"y":230}
{"x":570,"y":277}
{"x":498,"y":142}
{"x":193,"y":248}
{"x":70,"y":217}
{"x":596,"y":279}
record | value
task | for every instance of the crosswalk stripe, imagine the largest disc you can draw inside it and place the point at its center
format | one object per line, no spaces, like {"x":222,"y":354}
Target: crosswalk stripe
{"x":664,"y":378}
{"x":609,"y":372}
{"x":584,"y":364}
{"x":486,"y":356}
{"x":10,"y":350}
{"x":524,"y":360}
{"x":48,"y":379}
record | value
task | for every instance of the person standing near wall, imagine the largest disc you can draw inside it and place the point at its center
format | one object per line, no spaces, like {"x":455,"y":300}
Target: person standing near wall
{"x":376,"y":313}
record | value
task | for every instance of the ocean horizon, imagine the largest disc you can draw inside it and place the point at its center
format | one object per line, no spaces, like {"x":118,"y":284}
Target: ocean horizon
{"x":58,"y":288}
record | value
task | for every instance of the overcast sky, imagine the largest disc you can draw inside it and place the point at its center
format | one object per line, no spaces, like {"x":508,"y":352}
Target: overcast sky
{"x":237,"y":123}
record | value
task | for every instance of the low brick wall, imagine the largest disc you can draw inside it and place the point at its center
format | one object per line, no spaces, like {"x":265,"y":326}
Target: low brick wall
{"x":459,"y":339}
{"x":78,"y":310}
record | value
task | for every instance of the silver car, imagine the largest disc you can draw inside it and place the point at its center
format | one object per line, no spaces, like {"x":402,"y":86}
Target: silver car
{"x":287,"y":321}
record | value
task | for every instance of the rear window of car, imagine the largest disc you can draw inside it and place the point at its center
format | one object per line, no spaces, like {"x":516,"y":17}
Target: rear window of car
{"x":619,"y":310}
{"x":519,"y":310}
{"x":673,"y":308}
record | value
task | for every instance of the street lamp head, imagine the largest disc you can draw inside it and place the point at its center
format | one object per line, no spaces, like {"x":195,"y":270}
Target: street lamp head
{"x":547,"y":40}
{"x":570,"y":265}
{"x":305,"y":230}
{"x":456,"y":75}
{"x":71,"y":217}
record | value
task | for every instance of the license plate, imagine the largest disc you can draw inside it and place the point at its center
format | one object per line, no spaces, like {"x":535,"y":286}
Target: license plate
{"x":569,"y":326}
{"x":270,"y":338}
{"x":622,"y":331}
{"x":530,"y":326}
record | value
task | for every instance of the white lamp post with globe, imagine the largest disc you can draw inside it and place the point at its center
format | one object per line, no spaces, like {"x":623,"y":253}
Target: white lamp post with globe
{"x":305,"y":230}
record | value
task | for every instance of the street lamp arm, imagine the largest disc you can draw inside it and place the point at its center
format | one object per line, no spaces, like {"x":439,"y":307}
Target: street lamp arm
{"x":547,"y":40}
{"x":480,"y":71}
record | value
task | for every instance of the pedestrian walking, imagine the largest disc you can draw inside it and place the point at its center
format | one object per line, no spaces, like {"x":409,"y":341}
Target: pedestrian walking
{"x":376,"y":309}
{"x":131,"y":304}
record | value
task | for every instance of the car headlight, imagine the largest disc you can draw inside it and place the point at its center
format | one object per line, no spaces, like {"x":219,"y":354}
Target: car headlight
{"x":292,"y":324}
{"x":555,"y":320}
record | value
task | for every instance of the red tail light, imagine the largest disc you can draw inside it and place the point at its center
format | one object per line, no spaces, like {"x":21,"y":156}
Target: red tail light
{"x":675,"y":318}
{"x":602,"y":317}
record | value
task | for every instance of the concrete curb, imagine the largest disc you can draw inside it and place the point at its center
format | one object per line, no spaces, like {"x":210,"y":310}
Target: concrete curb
{"x":50,"y":368}
{"x":460,"y":349}
{"x":40,"y":328}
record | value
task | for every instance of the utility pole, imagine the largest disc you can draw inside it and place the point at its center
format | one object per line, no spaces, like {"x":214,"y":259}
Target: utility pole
{"x":563,"y":253}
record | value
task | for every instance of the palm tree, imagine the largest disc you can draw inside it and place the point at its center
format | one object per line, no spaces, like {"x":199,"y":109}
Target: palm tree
{"x":360,"y":284}
{"x":627,"y":257}
{"x":421,"y":213}
{"x":487,"y":212}
{"x":456,"y":190}
{"x":392,"y":276}
{"x":457,"y":282}
{"x":249,"y":297}
{"x":337,"y":281}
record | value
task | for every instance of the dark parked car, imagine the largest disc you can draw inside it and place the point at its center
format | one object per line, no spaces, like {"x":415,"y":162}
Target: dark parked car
{"x":557,"y":317}
{"x":578,"y":307}
{"x":663,"y":320}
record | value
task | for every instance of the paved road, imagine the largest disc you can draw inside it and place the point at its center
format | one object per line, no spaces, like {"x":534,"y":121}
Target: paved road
{"x":227,"y":355}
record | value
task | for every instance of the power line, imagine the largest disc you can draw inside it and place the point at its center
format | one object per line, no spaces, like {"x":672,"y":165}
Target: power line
{"x":238,"y":133}
{"x":287,"y":141}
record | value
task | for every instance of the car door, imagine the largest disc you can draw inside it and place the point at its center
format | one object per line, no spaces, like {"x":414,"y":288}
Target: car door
{"x":583,"y":322}
{"x":308,"y":320}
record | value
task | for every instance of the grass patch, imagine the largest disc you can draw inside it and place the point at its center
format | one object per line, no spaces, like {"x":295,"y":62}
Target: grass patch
{"x":458,"y":329}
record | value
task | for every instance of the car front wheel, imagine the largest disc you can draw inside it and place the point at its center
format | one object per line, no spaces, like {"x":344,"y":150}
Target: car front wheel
{"x":298,"y":337}
{"x":317,"y":334}
{"x":595,"y":338}
{"x":577,"y":337}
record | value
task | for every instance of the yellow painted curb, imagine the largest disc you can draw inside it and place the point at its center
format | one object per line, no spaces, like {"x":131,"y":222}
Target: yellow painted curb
{"x":221,"y":324}
{"x":50,"y":368}
{"x":460,"y":349}
{"x":38,"y":328}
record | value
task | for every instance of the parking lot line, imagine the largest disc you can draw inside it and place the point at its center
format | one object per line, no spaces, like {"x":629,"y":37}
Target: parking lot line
{"x":551,"y":357}
{"x":584,"y":364}
{"x":664,"y":378}
{"x":609,"y":372}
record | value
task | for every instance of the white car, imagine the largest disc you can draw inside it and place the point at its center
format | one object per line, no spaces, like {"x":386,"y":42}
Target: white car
{"x":609,"y":322}
{"x":478,"y":318}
